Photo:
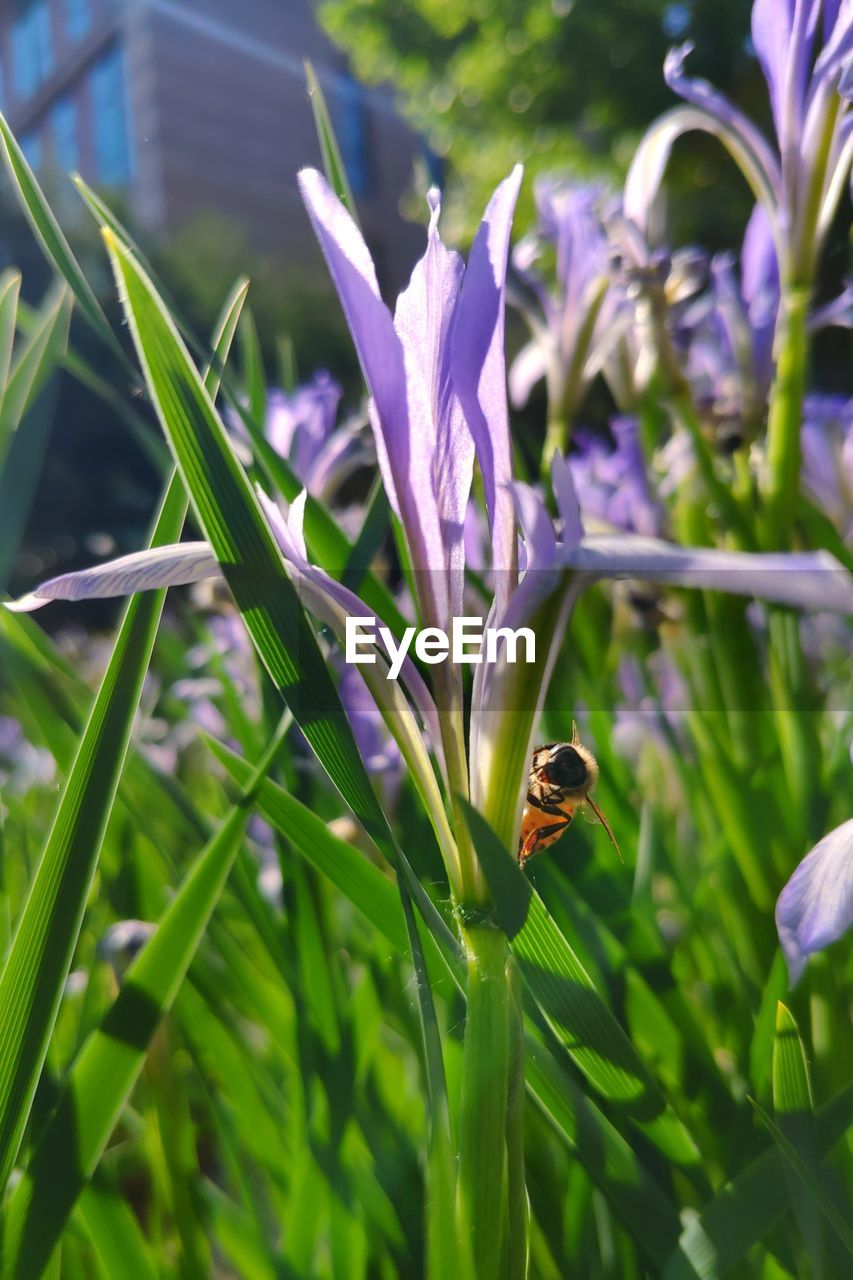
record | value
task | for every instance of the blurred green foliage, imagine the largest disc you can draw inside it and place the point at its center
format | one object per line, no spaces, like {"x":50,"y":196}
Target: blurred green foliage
{"x":556,"y":84}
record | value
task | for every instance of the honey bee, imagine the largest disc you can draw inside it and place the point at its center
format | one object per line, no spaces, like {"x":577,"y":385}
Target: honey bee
{"x":562,"y":775}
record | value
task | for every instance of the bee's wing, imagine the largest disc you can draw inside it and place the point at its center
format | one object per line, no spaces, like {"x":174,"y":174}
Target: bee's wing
{"x":588,"y":813}
{"x":593,"y":814}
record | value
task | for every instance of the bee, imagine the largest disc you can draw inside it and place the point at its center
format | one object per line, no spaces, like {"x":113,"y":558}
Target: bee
{"x":562,"y":775}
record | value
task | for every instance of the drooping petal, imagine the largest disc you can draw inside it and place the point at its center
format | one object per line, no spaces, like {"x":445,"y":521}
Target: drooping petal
{"x":172,"y":566}
{"x":331,"y":602}
{"x":479,"y":372}
{"x":816,"y":905}
{"x":808,"y":580}
{"x":703,"y":95}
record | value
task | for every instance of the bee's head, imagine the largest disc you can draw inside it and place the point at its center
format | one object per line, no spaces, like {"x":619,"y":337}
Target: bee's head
{"x":573,"y":768}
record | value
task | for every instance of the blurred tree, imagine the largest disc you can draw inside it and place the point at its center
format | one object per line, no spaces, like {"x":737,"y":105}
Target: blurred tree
{"x":557,"y":84}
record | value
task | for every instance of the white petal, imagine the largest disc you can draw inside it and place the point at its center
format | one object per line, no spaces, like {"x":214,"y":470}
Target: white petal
{"x":813,"y":580}
{"x":172,"y":566}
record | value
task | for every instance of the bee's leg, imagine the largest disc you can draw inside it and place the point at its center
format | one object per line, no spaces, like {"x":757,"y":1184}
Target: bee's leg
{"x":540,"y":838}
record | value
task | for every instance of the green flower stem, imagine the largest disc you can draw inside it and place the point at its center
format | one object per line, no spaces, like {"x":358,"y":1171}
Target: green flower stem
{"x":514,"y":1262}
{"x":799,"y":742}
{"x":720,"y":494}
{"x":784,"y":423}
{"x":483,"y":1177}
{"x":556,"y":436}
{"x":467,"y":883}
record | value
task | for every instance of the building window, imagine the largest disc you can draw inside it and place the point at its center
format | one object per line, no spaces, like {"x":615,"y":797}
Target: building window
{"x":32,"y":149}
{"x":353,"y":130}
{"x":32,"y":48}
{"x":78,"y":18}
{"x":64,"y":135}
{"x":111,"y":135}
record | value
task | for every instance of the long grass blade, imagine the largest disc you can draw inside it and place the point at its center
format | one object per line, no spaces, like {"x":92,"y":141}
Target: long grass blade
{"x":808,"y":1179}
{"x":792,"y":1103}
{"x":574,"y":1009}
{"x":333,"y":164}
{"x":107,"y":1067}
{"x":40,"y":956}
{"x":230,"y":516}
{"x":359,"y":880}
{"x":10,"y":289}
{"x":50,"y":236}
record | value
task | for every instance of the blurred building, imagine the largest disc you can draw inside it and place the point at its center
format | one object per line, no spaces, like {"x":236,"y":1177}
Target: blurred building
{"x":191,"y":105}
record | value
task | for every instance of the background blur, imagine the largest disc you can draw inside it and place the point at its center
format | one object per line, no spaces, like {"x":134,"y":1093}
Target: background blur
{"x":192,"y":116}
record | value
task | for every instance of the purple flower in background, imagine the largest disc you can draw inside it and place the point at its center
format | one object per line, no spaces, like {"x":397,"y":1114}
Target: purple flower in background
{"x":301,"y":426}
{"x":379,"y":751}
{"x":299,"y":423}
{"x":22,"y":765}
{"x":804,"y":48}
{"x":572,"y":323}
{"x":815,"y":907}
{"x":612,"y":483}
{"x":730,"y":337}
{"x":827,"y":446}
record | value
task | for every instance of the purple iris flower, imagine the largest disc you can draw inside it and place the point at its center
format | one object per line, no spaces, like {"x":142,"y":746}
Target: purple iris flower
{"x":827,"y":444}
{"x":612,"y":483}
{"x":572,"y":322}
{"x":436,"y":376}
{"x":729,"y":336}
{"x":815,"y":907}
{"x":804,"y":49}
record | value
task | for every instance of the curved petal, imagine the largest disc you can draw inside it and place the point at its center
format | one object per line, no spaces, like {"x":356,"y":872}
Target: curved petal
{"x":759,"y":167}
{"x":330,"y":601}
{"x":812,"y":580}
{"x":816,"y":905}
{"x":172,"y":566}
{"x":701,"y":94}
{"x":479,"y":371}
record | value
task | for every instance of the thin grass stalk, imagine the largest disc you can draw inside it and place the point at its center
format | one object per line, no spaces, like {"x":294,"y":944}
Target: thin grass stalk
{"x":514,"y":1262}
{"x":483,"y":1178}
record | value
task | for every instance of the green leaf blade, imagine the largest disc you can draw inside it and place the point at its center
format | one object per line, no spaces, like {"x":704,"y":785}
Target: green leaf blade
{"x":40,"y":956}
{"x":571,"y":1004}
